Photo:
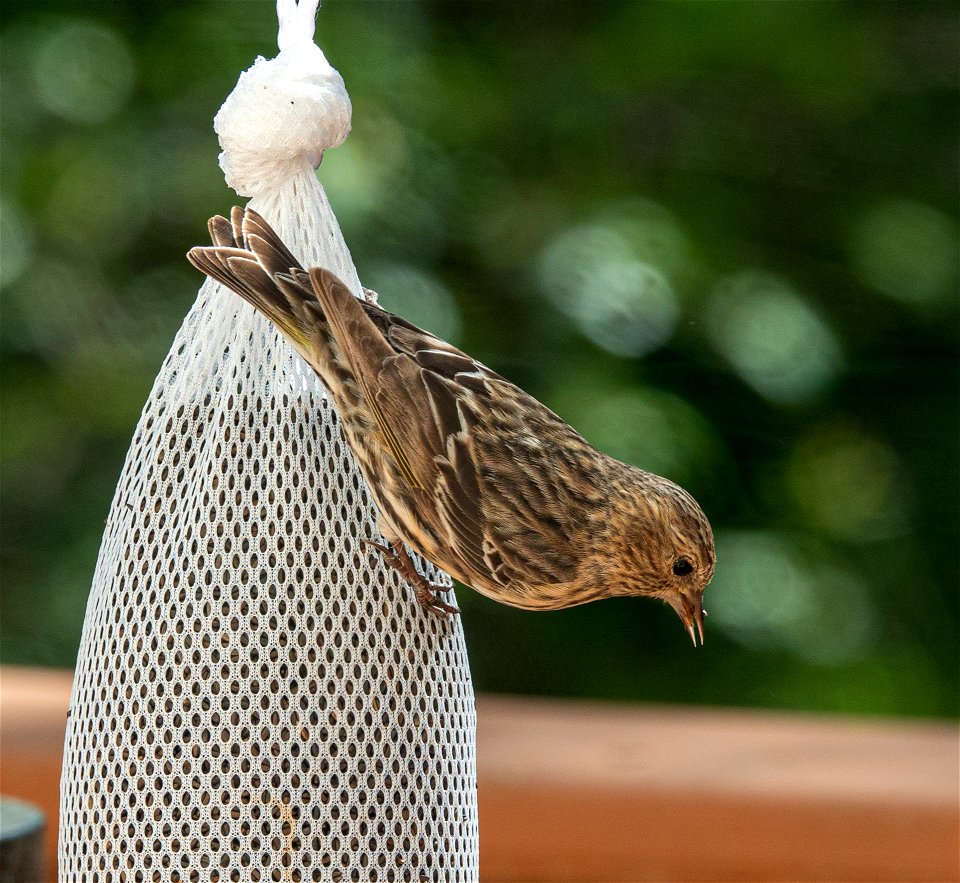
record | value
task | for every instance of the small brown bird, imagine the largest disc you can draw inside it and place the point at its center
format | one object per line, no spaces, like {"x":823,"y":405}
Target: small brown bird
{"x":466,"y":469}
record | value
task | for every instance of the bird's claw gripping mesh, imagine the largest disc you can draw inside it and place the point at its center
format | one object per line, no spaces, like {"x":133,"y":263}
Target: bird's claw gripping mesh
{"x":258,"y":696}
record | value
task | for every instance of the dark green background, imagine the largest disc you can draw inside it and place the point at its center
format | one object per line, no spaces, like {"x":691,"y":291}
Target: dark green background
{"x":719,"y":238}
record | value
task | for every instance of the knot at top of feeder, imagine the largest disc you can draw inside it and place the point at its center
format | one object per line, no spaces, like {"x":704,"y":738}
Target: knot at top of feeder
{"x":283,"y":112}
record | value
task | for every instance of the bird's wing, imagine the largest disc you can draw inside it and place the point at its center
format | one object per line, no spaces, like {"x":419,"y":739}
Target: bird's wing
{"x":487,"y":451}
{"x":384,"y":377}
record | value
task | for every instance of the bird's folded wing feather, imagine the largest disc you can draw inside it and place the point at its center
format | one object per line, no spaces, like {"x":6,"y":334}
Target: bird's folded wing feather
{"x":494,"y":498}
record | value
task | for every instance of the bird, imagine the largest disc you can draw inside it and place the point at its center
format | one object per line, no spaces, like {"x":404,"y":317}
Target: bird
{"x":466,"y":469}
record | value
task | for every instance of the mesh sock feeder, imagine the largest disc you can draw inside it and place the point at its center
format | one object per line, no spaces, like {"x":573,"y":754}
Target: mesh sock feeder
{"x":257,"y":695}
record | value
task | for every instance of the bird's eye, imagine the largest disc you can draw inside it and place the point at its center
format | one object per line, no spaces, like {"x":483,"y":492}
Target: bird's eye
{"x":682,"y":566}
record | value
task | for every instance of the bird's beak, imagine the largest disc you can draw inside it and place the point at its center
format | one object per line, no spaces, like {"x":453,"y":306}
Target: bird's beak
{"x":691,"y":613}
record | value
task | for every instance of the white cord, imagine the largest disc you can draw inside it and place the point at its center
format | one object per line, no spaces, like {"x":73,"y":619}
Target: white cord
{"x":296,"y":22}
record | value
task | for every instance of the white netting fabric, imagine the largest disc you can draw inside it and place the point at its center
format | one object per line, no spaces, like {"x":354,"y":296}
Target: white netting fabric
{"x":257,"y":696}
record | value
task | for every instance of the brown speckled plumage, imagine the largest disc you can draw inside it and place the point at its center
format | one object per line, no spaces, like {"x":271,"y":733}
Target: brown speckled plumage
{"x":467,"y":469}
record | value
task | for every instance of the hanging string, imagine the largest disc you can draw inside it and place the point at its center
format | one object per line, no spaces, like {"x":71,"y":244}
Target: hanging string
{"x":297,"y":22}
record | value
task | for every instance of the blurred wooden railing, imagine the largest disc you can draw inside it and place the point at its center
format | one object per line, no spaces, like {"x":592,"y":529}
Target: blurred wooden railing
{"x":588,"y":792}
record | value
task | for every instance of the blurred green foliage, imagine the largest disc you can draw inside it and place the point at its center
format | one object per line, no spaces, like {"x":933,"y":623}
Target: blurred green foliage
{"x":719,"y":238}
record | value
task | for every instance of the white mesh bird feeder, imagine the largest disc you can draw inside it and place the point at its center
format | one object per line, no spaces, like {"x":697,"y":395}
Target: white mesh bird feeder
{"x":258,"y":696}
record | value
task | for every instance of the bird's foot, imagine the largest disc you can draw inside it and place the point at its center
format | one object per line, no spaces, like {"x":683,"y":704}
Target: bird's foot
{"x":396,"y":556}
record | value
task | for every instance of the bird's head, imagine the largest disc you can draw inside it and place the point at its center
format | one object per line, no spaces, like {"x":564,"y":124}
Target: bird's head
{"x":671,"y":553}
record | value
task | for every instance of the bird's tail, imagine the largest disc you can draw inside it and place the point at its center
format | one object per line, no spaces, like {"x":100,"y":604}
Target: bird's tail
{"x":249,"y":258}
